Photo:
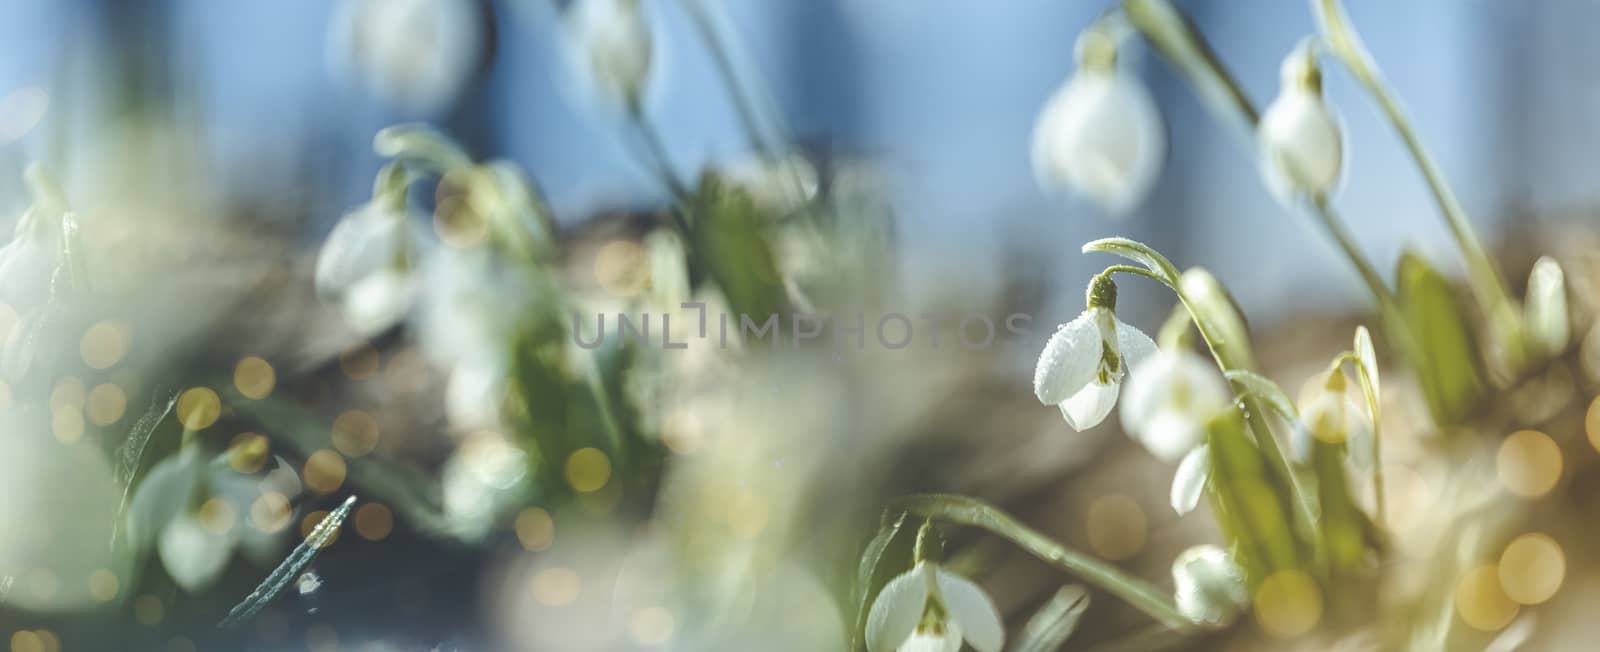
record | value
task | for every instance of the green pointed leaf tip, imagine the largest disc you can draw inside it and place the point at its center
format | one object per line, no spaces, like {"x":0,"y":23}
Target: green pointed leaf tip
{"x":1265,"y":389}
{"x":1054,"y":622}
{"x":1137,"y":252}
{"x":1447,"y":361}
{"x":887,"y":554}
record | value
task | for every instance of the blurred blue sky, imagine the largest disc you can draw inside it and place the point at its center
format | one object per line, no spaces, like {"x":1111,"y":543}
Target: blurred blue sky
{"x":945,"y":92}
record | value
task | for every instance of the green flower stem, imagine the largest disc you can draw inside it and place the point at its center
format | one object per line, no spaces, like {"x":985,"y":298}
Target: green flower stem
{"x":1380,"y":510}
{"x":1484,"y":276}
{"x":656,"y":158}
{"x":1223,"y":332}
{"x":962,"y":510}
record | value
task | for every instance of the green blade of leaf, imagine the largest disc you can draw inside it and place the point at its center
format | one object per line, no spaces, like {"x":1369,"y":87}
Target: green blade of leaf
{"x":1053,"y":623}
{"x":1447,"y":362}
{"x":889,"y":549}
{"x":1265,"y":389}
{"x":292,"y":566}
{"x":1140,"y":253}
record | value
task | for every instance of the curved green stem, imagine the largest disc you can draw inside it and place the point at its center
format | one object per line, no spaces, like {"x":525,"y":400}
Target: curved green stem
{"x":1485,"y":278}
{"x":962,"y":510}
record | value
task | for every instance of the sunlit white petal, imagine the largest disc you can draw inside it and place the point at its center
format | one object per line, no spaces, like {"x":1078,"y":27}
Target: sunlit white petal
{"x":1133,"y":345}
{"x":926,"y":641}
{"x":193,"y":554}
{"x":1069,"y":361}
{"x":1189,"y":483}
{"x":970,"y":608}
{"x":1548,"y":323}
{"x":164,"y":492}
{"x":898,"y":609}
{"x":1087,"y":408}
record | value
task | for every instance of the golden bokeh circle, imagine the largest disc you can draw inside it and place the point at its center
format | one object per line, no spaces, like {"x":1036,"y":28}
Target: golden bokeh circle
{"x":557,"y":586}
{"x":66,"y":422}
{"x":270,"y":512}
{"x":249,"y":452}
{"x":68,"y":392}
{"x":1528,"y":463}
{"x":324,"y":471}
{"x":199,"y":408}
{"x":1532,"y":568}
{"x":218,"y":515}
{"x":374,"y":521}
{"x":355,"y":433}
{"x":1481,"y":602}
{"x":148,"y":610}
{"x":27,"y":641}
{"x":310,"y":523}
{"x":536,"y":530}
{"x":104,"y":344}
{"x":106,"y":404}
{"x":254,"y":377}
{"x":588,"y":470}
{"x":359,"y":362}
{"x":103,"y":585}
{"x":1288,"y":604}
{"x":1117,"y":527}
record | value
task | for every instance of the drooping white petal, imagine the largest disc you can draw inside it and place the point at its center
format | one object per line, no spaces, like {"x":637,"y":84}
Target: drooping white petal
{"x":379,"y":301}
{"x":194,"y":554}
{"x":1302,"y":145}
{"x":1209,"y":585}
{"x":1133,"y":345}
{"x":898,"y":609}
{"x":970,"y":608}
{"x":1148,"y":386}
{"x":1171,"y":434}
{"x":613,"y":42}
{"x":1546,"y":307}
{"x":162,"y":494}
{"x":1069,"y":360}
{"x":363,"y":242}
{"x":415,"y":54}
{"x":1087,"y":408}
{"x":927,"y":641}
{"x":1100,"y":136}
{"x":474,"y":394}
{"x":1190,"y":481}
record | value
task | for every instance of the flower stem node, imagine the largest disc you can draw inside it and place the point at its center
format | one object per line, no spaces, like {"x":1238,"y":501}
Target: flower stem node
{"x":1301,"y":137}
{"x":929,"y":609}
{"x":1082,"y":366}
{"x":1209,"y":586}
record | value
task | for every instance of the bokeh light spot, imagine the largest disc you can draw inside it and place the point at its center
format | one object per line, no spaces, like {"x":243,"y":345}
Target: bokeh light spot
{"x":218,"y":515}
{"x":254,"y":377}
{"x":107,"y":403}
{"x":355,"y":433}
{"x":248,"y":452}
{"x":1117,"y":527}
{"x":359,"y":362}
{"x":536,"y":530}
{"x":66,"y":422}
{"x":1481,"y":602}
{"x":68,"y":392}
{"x":556,"y":587}
{"x":588,"y":470}
{"x":27,"y":641}
{"x":104,"y":344}
{"x":199,"y":408}
{"x":650,"y":626}
{"x":311,"y":521}
{"x":1532,"y":568}
{"x":1288,"y":604}
{"x":1528,"y":463}
{"x":103,"y":585}
{"x":148,"y":610}
{"x":324,"y":471}
{"x":270,"y":512}
{"x":374,"y":521}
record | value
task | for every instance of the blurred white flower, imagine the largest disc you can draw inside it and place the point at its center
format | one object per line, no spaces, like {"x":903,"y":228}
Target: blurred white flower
{"x":1083,"y":364}
{"x":415,"y":54}
{"x":1333,"y":417}
{"x":1209,"y":586}
{"x":928,"y":608}
{"x":367,"y":266}
{"x":28,"y":262}
{"x":1546,"y":307}
{"x":1190,"y":481}
{"x":612,"y":43}
{"x":474,"y":394}
{"x":196,"y":538}
{"x":782,"y":185}
{"x":1170,"y":397}
{"x":1302,"y":143}
{"x":1100,"y":136}
{"x":484,"y":478}
{"x":57,"y":506}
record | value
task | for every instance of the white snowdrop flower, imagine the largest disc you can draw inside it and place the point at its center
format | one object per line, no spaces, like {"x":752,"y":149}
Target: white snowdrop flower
{"x":929,"y":609}
{"x":197,"y":514}
{"x":784,"y":185}
{"x":28,"y":262}
{"x":1333,"y":417}
{"x":482,"y":480}
{"x":1100,"y":135}
{"x":474,"y":393}
{"x":415,"y":54}
{"x":1170,"y":397}
{"x":1209,"y":586}
{"x":612,"y":42}
{"x":366,"y":266}
{"x":1083,"y":364}
{"x":1300,"y":136}
{"x":1190,"y":481}
{"x":1546,"y":307}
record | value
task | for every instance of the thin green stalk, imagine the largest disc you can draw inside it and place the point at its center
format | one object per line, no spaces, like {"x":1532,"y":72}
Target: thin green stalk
{"x":717,"y":43}
{"x":1483,"y":274}
{"x":962,"y":510}
{"x":656,"y":155}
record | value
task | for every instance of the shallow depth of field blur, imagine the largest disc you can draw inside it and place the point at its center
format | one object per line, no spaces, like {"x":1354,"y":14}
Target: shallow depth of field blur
{"x":241,"y":408}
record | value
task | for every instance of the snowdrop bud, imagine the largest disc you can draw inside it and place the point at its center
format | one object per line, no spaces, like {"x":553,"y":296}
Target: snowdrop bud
{"x":1331,"y":417}
{"x":1190,"y":480}
{"x":613,"y":42}
{"x":1082,"y":366}
{"x":1301,"y":140}
{"x":1546,"y":307}
{"x":1209,"y":586}
{"x":415,"y":54}
{"x":1100,"y":135}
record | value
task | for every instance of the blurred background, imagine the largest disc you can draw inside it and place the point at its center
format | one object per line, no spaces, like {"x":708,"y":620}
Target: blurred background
{"x":267,"y":112}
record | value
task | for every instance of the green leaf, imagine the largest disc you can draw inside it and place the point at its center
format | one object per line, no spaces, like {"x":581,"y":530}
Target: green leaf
{"x":1446,"y":353}
{"x":1179,"y":41}
{"x":1053,"y":623}
{"x":1140,"y":253}
{"x":1265,"y":389}
{"x":1253,"y":515}
{"x":730,"y":242}
{"x":1222,"y":323}
{"x":886,"y":555}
